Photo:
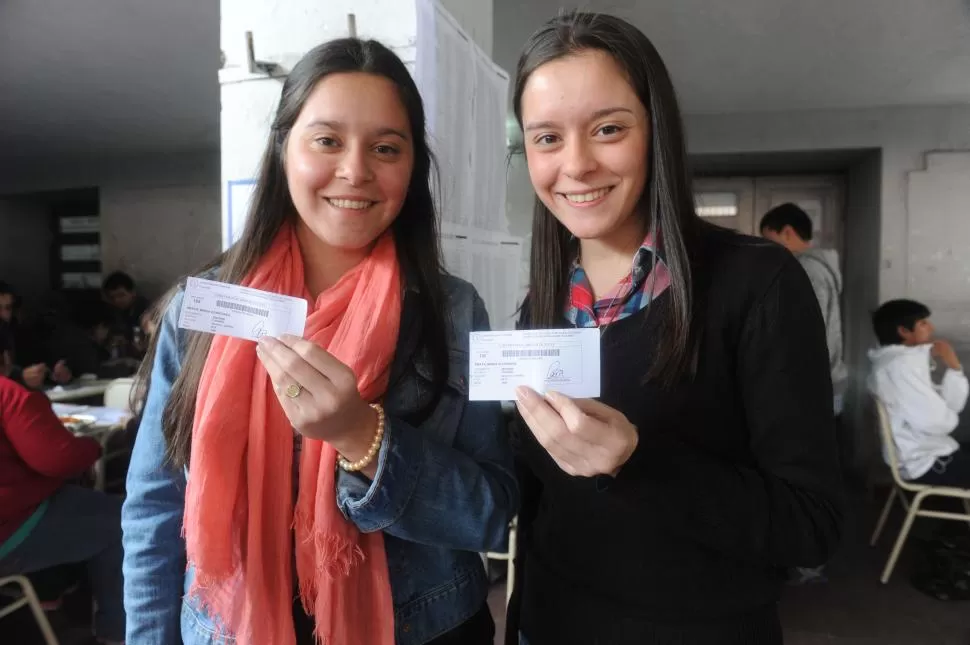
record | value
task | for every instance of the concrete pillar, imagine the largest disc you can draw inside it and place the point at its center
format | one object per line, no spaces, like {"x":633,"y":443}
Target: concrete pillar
{"x":282,"y":32}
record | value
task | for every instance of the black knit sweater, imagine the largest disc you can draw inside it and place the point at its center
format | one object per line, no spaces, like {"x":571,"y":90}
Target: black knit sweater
{"x":735,"y":477}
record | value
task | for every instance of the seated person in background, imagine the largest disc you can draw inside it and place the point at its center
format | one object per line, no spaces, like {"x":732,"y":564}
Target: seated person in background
{"x":29,"y":361}
{"x":103,"y":349}
{"x":148,"y":324}
{"x":127,"y":306}
{"x":922,"y":415}
{"x":45,"y":520}
{"x":149,"y":321}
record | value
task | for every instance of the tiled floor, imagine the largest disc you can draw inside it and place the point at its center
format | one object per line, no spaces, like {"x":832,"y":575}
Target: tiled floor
{"x":851,"y":609}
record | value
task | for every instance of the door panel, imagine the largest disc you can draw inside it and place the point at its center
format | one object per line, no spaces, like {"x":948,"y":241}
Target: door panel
{"x":727,"y":202}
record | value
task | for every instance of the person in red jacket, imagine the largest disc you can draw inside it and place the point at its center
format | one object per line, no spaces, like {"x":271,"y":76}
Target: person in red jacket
{"x":45,"y":520}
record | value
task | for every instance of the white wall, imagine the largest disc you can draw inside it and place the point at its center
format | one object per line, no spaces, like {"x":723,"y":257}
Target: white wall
{"x":938,"y":234}
{"x":25,"y":242}
{"x":903,"y":134}
{"x":160,"y":214}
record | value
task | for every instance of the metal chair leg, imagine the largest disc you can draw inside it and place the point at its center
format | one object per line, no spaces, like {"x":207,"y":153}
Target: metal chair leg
{"x":30,"y":599}
{"x":510,"y":572}
{"x":39,"y":615}
{"x":901,"y":540}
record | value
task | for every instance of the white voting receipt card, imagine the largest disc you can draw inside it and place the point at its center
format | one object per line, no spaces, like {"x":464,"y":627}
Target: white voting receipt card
{"x":564,"y":360}
{"x":232,"y":310}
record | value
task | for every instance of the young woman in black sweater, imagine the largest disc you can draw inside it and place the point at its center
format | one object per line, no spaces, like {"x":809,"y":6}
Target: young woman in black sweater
{"x":667,"y":511}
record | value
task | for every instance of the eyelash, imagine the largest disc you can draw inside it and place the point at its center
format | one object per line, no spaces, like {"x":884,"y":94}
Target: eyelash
{"x":543,"y":140}
{"x":618,"y":129}
{"x":381,"y":149}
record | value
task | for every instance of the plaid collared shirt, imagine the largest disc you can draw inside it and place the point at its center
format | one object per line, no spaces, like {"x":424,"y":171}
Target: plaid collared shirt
{"x":633,"y":293}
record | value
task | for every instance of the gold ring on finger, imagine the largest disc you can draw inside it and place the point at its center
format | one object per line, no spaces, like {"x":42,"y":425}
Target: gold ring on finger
{"x":293,"y":390}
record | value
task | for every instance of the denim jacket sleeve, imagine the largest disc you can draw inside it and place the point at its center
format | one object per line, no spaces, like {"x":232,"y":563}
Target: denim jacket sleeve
{"x":151,"y":518}
{"x":460,"y":495}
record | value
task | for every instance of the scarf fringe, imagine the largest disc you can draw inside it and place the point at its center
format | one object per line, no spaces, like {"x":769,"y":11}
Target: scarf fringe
{"x":337,"y":557}
{"x":221,"y":634}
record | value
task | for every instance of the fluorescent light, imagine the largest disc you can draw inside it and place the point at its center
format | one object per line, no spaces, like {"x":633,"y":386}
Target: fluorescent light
{"x":716,"y":204}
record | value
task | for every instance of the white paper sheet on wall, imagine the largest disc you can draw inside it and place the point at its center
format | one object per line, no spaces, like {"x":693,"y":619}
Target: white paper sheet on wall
{"x":239,"y":194}
{"x":465,"y":97}
{"x":491,"y":262}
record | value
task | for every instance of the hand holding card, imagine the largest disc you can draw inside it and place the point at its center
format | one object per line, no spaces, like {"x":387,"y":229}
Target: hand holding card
{"x":584,"y":437}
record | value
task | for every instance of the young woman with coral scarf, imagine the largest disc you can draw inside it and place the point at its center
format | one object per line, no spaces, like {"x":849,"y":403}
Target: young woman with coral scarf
{"x":392,"y":481}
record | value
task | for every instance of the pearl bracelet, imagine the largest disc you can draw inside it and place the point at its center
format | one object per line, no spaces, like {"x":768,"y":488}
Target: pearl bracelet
{"x":375,"y":446}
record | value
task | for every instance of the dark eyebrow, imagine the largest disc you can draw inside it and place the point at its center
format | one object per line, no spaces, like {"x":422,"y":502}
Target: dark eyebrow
{"x":337,"y":125}
{"x":598,"y":114}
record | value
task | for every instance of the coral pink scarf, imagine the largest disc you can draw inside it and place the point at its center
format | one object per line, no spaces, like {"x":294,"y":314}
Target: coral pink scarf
{"x":239,"y":513}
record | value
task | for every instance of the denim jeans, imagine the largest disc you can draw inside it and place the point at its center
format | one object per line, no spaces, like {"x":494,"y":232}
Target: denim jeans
{"x":80,"y":525}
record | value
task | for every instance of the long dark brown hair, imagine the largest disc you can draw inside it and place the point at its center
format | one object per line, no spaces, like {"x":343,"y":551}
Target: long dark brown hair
{"x":667,"y":203}
{"x":415,"y":228}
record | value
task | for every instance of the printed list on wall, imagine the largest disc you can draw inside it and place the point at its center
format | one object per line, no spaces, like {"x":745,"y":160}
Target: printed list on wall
{"x":465,"y":96}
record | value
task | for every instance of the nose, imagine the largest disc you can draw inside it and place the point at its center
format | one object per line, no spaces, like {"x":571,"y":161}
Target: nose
{"x":579,"y":159}
{"x":355,"y":167}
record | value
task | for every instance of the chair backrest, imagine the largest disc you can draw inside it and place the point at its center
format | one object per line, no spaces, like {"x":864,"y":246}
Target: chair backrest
{"x":889,"y":446}
{"x":118,"y":393}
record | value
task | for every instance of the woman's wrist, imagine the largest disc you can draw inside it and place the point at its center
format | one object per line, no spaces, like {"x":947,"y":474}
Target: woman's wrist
{"x":362,"y":444}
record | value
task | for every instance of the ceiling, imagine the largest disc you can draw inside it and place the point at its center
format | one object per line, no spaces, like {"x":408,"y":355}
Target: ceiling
{"x":779,"y":55}
{"x":84,"y":79}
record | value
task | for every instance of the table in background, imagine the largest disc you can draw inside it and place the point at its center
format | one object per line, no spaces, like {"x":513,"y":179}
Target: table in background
{"x":78,"y":390}
{"x":108,"y":423}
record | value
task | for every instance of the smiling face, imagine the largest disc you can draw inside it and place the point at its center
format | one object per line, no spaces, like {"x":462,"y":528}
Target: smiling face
{"x":586,"y":140}
{"x":349,"y":159}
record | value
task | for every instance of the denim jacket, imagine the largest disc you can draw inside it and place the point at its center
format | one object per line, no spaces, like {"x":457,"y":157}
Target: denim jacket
{"x":444,"y":492}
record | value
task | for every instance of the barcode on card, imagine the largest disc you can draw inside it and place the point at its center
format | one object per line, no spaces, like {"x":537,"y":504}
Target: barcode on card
{"x":235,"y":306}
{"x":529,"y":353}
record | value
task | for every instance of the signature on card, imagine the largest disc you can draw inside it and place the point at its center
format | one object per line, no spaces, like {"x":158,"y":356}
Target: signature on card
{"x":556,"y":373}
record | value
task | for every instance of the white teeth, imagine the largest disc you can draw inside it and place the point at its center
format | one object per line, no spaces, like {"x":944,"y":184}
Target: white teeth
{"x":350,"y":203}
{"x":588,"y":197}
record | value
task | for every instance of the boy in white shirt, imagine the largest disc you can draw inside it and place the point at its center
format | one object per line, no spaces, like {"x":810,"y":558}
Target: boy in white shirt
{"x":922,"y":415}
